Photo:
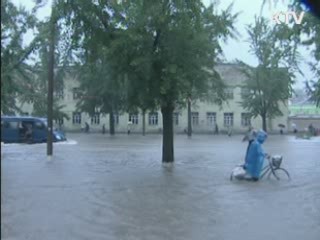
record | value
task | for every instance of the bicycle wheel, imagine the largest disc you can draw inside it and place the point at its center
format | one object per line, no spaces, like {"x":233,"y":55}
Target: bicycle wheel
{"x":281,"y":174}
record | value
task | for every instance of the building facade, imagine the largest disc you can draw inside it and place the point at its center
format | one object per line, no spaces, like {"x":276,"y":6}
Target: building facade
{"x":303,"y":113}
{"x":204,"y":115}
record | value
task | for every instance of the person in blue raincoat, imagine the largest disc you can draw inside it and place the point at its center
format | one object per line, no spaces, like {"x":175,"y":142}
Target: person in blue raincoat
{"x":255,"y":156}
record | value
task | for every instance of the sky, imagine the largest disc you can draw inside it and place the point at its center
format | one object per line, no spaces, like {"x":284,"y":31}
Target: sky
{"x":233,"y":49}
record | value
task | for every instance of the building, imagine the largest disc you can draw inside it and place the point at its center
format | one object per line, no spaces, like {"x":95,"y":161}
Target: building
{"x":204,"y":115}
{"x":303,"y":112}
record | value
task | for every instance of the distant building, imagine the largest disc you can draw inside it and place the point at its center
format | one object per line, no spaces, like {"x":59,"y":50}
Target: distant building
{"x":204,"y":115}
{"x":303,"y":112}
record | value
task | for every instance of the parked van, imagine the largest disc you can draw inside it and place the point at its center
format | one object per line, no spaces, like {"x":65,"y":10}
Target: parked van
{"x":16,"y":129}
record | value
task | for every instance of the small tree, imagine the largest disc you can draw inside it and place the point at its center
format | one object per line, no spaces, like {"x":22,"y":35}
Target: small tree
{"x":270,"y":82}
{"x":101,"y":88}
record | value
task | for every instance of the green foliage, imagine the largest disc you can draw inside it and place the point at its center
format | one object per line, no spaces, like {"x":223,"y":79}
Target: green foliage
{"x":313,"y":89}
{"x":159,"y":53}
{"x":270,"y":82}
{"x":102,"y":90}
{"x":266,"y":88}
{"x":37,"y":95}
{"x":15,"y":22}
{"x":22,"y":81}
{"x":169,"y":49}
{"x":309,"y":35}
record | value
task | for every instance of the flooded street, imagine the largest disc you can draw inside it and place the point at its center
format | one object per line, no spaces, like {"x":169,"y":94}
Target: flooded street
{"x":102,"y":187}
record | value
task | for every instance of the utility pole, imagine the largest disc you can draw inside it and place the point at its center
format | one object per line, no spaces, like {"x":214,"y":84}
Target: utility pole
{"x":50,"y":81}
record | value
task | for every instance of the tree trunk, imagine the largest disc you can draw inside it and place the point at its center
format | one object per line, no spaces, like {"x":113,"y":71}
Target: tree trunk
{"x":264,"y":122}
{"x":111,"y":123}
{"x":50,"y":83}
{"x":189,"y":119}
{"x":167,"y":139}
{"x":143,"y":122}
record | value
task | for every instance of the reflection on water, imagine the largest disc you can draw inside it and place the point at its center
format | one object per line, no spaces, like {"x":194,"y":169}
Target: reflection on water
{"x":103,"y":187}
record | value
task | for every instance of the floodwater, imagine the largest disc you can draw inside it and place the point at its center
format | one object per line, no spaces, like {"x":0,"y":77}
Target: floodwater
{"x":101,"y":187}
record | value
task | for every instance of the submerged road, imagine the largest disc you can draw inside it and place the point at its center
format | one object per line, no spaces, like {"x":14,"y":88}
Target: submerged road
{"x":102,"y":187}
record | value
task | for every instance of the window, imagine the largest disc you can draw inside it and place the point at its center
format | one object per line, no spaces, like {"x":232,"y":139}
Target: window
{"x":176,"y":118}
{"x":59,"y":93}
{"x":244,"y":91}
{"x":228,"y":119}
{"x":39,"y":125}
{"x":229,"y":93}
{"x":211,"y":118}
{"x":195,"y":118}
{"x":76,"y":93}
{"x":76,"y":118}
{"x":134,"y":118}
{"x":245,"y":119}
{"x":59,"y":121}
{"x":95,"y":119}
{"x":153,"y":118}
{"x":11,"y":125}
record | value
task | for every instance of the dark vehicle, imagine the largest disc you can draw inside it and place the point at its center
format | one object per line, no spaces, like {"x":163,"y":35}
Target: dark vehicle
{"x":15,"y":129}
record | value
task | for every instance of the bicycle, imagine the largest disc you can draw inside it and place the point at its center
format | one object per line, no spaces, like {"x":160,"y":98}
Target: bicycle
{"x":273,"y":167}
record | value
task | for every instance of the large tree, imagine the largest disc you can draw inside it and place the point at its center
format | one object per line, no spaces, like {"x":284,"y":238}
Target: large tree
{"x":163,"y":51}
{"x":269,"y":84}
{"x":176,"y":45}
{"x":15,"y":51}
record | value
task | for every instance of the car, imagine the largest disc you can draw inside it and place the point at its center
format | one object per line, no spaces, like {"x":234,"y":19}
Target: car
{"x":20,"y":129}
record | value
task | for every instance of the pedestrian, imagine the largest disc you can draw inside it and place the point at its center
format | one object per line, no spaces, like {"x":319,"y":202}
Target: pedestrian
{"x":28,"y":133}
{"x":129,"y":127}
{"x":103,"y":129}
{"x":281,"y":131}
{"x":87,"y":127}
{"x":294,"y":128}
{"x":216,"y":129}
{"x":311,"y":129}
{"x":255,"y":156}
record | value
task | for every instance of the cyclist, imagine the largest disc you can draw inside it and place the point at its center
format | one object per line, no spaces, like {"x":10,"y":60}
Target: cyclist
{"x":255,"y":157}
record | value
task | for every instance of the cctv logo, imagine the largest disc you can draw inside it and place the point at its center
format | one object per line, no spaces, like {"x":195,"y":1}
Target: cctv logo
{"x":278,"y":17}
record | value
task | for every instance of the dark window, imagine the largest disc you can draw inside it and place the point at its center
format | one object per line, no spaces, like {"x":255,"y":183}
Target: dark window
{"x":229,"y":93}
{"x":245,"y":119}
{"x":244,"y":91}
{"x":59,"y":121}
{"x":134,"y":118}
{"x":76,"y":118}
{"x":59,"y":93}
{"x":195,"y":118}
{"x":211,"y":118}
{"x":95,"y":119}
{"x":11,"y":125}
{"x":153,"y":118}
{"x":228,"y":119}
{"x":39,"y":125}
